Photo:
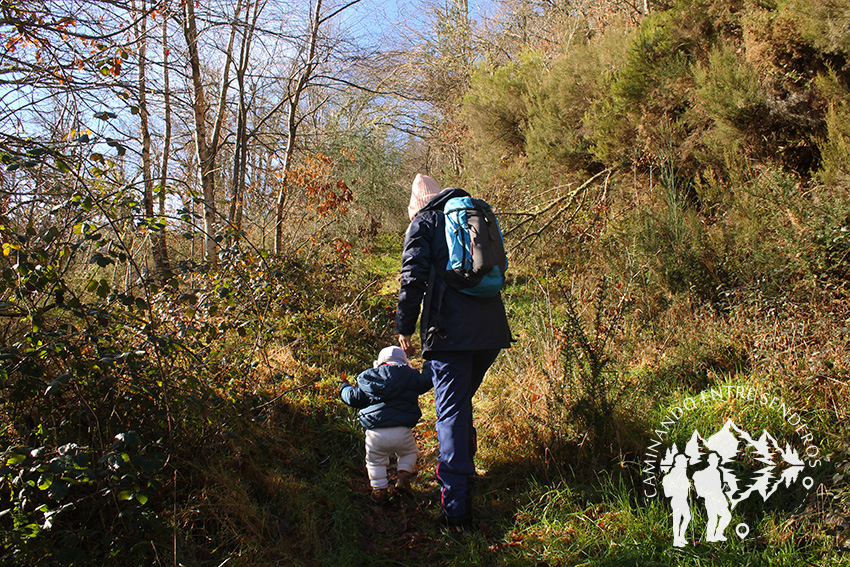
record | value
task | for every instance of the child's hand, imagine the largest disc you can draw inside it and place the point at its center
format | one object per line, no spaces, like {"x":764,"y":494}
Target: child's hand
{"x":342,"y":384}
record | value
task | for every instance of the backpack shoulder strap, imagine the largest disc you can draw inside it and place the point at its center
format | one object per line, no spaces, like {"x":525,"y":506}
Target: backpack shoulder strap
{"x":430,"y":327}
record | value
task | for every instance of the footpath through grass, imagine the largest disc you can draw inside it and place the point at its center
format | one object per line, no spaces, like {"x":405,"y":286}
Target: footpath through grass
{"x":525,"y":517}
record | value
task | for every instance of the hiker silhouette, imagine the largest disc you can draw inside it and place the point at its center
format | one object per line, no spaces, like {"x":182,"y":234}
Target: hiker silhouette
{"x":676,"y":487}
{"x":708,"y":484}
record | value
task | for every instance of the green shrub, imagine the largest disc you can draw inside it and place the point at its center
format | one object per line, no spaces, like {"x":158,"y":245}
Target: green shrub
{"x":830,"y":260}
{"x":680,"y":252}
{"x":671,"y":240}
{"x":496,"y":106}
{"x":656,"y":57}
{"x":826,"y":25}
{"x":557,"y":136}
{"x":730,"y":89}
{"x":649,"y":87}
{"x":836,"y":147}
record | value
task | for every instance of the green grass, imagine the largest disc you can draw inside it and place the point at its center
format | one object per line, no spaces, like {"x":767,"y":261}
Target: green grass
{"x":601,"y":524}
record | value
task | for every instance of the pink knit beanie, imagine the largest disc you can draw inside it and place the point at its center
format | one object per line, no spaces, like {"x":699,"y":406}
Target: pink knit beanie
{"x":424,"y":188}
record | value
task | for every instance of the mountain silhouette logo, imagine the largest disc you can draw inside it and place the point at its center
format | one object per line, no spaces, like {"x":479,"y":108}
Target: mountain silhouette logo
{"x":705,"y":472}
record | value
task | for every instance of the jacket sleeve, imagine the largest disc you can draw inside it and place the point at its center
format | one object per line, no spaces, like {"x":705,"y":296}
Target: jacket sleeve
{"x":415,"y":270}
{"x":423,"y":383}
{"x":353,"y":396}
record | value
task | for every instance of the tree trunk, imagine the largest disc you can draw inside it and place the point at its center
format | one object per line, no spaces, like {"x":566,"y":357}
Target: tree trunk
{"x":161,"y":243}
{"x":158,"y":248}
{"x":207,"y":149}
{"x":292,"y":123}
{"x":240,"y":157}
{"x":166,"y":94}
{"x":206,"y":154}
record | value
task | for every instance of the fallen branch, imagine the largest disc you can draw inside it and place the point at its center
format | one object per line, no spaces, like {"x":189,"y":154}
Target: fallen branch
{"x":566,"y":202}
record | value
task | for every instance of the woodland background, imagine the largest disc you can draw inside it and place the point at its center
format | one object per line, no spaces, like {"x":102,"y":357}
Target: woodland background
{"x":202,"y":209}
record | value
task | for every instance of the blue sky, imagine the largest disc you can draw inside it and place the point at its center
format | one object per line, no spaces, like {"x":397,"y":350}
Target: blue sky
{"x":382,"y":18}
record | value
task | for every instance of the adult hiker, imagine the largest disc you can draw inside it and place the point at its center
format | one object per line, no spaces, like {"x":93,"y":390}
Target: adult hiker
{"x":461,"y":336}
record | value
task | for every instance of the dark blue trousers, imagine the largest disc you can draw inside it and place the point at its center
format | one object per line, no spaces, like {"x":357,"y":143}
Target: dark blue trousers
{"x":456,"y":377}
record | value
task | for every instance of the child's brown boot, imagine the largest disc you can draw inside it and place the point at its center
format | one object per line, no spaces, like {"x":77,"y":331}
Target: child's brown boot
{"x":380,"y":496}
{"x":403,"y":482}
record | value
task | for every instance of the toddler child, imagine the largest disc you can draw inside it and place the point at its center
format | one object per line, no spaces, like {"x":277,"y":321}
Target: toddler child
{"x":388,"y":397}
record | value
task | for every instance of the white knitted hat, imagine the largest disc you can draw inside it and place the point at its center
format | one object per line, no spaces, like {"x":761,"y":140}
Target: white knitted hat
{"x":424,"y":188}
{"x":391,"y":355}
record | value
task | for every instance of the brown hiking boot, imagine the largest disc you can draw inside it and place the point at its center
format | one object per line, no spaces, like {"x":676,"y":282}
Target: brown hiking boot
{"x":403,"y":482}
{"x":380,"y":496}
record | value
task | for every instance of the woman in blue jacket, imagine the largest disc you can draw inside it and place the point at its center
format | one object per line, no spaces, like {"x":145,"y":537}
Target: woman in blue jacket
{"x":461,"y":337}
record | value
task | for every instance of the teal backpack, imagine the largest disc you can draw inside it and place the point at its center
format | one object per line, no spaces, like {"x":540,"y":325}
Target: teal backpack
{"x":477,"y":260}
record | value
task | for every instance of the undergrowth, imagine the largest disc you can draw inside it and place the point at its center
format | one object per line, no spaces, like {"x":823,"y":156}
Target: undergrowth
{"x":191,"y":423}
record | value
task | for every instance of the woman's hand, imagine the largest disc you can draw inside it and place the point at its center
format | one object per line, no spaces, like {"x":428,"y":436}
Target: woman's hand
{"x":406,"y":344}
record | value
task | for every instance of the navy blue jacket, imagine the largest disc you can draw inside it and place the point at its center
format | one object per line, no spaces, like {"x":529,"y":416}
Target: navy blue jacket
{"x":387,"y":395}
{"x":461,"y":322}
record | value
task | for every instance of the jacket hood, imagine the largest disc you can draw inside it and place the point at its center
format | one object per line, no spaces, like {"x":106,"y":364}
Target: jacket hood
{"x":385,"y":382}
{"x":439,"y":201}
{"x":391,"y":355}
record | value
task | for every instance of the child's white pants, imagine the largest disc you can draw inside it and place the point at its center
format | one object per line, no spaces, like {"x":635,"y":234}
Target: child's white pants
{"x":383,"y":442}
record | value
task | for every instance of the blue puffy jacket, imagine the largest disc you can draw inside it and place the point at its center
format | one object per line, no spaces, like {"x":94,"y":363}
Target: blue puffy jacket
{"x":387,"y":395}
{"x":461,"y":322}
